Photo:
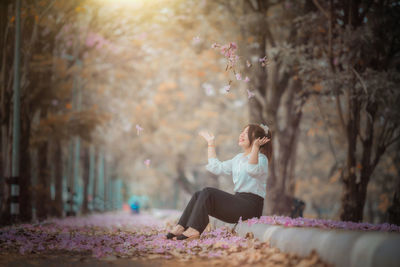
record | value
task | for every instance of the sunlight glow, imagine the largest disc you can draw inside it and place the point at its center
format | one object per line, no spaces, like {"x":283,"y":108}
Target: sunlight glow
{"x":121,"y":2}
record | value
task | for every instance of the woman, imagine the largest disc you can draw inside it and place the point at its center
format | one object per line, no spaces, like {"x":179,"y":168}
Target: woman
{"x":249,"y":171}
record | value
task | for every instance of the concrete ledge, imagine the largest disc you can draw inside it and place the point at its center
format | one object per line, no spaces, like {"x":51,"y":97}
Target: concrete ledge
{"x":337,"y":247}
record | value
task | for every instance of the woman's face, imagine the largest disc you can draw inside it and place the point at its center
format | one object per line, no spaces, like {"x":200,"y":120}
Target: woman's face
{"x":244,"y":138}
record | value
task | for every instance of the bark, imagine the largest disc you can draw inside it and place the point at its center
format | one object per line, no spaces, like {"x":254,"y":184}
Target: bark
{"x":259,"y":79}
{"x":350,"y":198}
{"x":43,"y":186}
{"x":25,"y":186}
{"x":6,"y":61}
{"x":356,"y":182}
{"x":394,"y":208}
{"x":86,"y":163}
{"x":58,"y":179}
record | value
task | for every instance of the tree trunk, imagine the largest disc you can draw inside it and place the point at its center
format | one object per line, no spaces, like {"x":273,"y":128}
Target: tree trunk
{"x":355,"y":186}
{"x":187,"y":186}
{"x":25,"y":186}
{"x":42,"y":188}
{"x":86,"y":164}
{"x":6,"y":61}
{"x":57,"y":157}
{"x":394,"y":209}
{"x":259,"y":81}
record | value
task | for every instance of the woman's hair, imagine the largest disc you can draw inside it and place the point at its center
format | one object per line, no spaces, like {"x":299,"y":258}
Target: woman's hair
{"x":256,"y":131}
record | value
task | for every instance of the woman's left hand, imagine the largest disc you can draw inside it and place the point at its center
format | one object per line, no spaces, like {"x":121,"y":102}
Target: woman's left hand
{"x":261,"y":141}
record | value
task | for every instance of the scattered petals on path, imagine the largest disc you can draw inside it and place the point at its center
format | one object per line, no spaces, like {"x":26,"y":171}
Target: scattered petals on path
{"x":324,"y":224}
{"x":123,"y":235}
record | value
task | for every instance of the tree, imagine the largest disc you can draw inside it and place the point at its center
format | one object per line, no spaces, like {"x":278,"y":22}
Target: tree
{"x":359,"y":65}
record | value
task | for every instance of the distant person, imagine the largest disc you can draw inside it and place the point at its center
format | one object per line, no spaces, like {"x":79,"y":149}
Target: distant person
{"x":249,"y":171}
{"x":135,"y":207}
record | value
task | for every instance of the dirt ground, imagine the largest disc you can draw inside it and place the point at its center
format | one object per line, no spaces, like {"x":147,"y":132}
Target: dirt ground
{"x":75,"y":259}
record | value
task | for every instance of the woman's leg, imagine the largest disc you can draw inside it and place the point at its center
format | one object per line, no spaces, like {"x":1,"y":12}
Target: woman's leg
{"x":188,"y":210}
{"x":221,"y":205}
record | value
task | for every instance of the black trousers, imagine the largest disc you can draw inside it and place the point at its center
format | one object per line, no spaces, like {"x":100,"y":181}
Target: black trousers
{"x":221,"y":205}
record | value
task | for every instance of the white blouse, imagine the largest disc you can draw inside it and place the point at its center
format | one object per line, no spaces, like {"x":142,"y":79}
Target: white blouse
{"x":250,"y":178}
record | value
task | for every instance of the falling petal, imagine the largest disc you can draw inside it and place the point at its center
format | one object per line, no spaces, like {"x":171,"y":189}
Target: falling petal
{"x":248,"y":64}
{"x":250,"y":94}
{"x":147,"y":162}
{"x":196,"y":40}
{"x":138,"y":129}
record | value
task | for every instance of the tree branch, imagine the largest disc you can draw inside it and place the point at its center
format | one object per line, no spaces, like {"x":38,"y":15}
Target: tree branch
{"x":330,"y":53}
{"x":360,"y":79}
{"x":340,"y":112}
{"x":321,"y":8}
{"x":393,"y":140}
{"x":326,"y":128}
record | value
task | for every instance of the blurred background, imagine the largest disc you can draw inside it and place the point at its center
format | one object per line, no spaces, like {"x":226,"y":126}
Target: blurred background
{"x":112,"y":95}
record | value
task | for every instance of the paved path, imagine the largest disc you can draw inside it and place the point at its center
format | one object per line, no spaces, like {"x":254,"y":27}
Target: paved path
{"x":122,"y":239}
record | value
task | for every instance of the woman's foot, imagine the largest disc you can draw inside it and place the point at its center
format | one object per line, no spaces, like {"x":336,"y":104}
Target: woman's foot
{"x":178,"y":229}
{"x":188,"y":235}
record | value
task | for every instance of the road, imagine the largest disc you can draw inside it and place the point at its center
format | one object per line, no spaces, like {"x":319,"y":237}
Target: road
{"x":124,"y":239}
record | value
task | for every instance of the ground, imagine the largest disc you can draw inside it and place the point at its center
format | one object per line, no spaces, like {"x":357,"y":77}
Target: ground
{"x":123,"y":239}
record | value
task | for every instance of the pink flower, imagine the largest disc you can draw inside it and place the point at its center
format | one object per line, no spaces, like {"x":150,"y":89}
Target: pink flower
{"x":248,"y":63}
{"x":215,"y":45}
{"x":227,"y":88}
{"x":263,"y":61}
{"x":196,"y":40}
{"x":335,"y":61}
{"x":250,"y":94}
{"x":138,"y":129}
{"x":147,"y":162}
{"x":247,"y":79}
{"x":238,"y":76}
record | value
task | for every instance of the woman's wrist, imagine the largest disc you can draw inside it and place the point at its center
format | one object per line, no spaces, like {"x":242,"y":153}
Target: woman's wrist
{"x":211,"y":143}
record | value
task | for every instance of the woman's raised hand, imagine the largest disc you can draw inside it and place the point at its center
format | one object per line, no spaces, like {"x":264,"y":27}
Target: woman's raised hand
{"x":209,"y":137}
{"x":261,"y":141}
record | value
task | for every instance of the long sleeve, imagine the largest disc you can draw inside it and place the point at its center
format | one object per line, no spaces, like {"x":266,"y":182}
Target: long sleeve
{"x":260,"y":169}
{"x":217,"y":167}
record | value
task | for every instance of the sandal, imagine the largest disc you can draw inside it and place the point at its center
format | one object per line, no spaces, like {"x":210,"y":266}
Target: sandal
{"x":170,"y":235}
{"x":187,"y":238}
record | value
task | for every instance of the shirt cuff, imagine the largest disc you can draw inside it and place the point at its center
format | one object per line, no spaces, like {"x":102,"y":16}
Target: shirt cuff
{"x":212,"y":160}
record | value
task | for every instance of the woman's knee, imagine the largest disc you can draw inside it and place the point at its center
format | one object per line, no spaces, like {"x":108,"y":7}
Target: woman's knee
{"x":207,"y":191}
{"x":196,"y":194}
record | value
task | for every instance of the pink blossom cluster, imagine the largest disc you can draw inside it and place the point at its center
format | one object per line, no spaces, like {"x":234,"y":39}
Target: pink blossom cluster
{"x":118,"y":234}
{"x":320,"y":223}
{"x":229,"y":52}
{"x":95,"y":39}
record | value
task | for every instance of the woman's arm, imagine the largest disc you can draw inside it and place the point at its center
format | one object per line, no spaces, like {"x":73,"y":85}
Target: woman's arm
{"x":255,"y":148}
{"x":211,"y":150}
{"x":259,"y":169}
{"x":214,"y":165}
{"x":255,"y":167}
{"x":211,"y":143}
{"x":254,"y":155}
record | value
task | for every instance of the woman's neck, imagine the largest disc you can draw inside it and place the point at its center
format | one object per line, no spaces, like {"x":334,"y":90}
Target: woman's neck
{"x":247,"y":151}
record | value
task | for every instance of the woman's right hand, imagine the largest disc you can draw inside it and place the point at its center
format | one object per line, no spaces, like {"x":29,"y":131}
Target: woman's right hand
{"x":209,"y":137}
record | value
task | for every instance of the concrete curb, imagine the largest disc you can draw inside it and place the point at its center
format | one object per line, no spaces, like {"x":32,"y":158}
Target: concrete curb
{"x":337,"y":247}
